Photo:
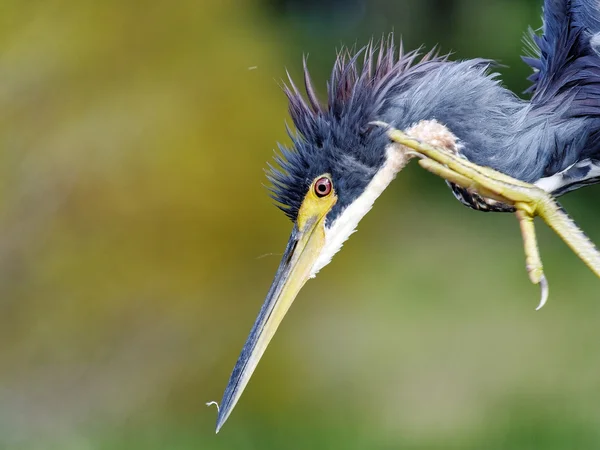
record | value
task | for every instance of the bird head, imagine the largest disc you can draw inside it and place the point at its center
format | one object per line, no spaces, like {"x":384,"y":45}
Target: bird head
{"x":327,"y":181}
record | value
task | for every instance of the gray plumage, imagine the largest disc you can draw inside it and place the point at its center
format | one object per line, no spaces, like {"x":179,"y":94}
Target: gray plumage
{"x":552,"y":139}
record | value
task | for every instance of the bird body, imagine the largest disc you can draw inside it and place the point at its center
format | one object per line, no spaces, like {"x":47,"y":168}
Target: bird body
{"x":340,"y":161}
{"x":552,"y":139}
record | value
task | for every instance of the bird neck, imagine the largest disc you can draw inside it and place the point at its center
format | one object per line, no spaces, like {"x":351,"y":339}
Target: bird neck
{"x":337,"y":232}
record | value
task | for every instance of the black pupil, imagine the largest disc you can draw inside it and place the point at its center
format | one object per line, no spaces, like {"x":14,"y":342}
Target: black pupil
{"x":323,"y":187}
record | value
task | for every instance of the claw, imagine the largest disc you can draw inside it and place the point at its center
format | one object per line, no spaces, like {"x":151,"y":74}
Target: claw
{"x":415,"y":154}
{"x":545,"y":292}
{"x":379,"y":123}
{"x":529,"y":201}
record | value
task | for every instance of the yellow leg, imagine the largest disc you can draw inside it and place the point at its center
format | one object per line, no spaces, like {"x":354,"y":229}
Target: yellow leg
{"x":528,"y":200}
{"x":532,"y":255}
{"x":456,"y":178}
{"x":533,"y":261}
{"x":453,"y":161}
{"x":571,"y":234}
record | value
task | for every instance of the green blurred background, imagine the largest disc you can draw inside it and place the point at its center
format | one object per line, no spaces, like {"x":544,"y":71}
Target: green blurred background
{"x":137,"y":243}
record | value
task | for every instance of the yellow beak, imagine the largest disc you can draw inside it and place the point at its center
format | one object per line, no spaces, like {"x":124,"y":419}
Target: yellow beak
{"x":303,"y":249}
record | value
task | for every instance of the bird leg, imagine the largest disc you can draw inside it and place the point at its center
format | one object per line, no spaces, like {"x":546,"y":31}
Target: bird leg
{"x":533,"y":261}
{"x":528,"y":200}
{"x":532,"y":255}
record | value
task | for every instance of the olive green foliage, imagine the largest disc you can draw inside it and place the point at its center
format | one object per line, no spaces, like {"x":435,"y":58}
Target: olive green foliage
{"x":137,"y":243}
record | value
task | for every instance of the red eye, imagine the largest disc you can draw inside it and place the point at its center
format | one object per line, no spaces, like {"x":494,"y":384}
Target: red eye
{"x":323,"y":187}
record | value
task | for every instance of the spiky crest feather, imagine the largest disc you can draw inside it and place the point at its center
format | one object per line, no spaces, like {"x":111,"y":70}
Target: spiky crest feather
{"x":356,"y":91}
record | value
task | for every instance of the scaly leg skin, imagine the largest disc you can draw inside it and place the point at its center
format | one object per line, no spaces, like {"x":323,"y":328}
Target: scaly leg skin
{"x":533,"y":261}
{"x":532,"y":255}
{"x":529,"y":200}
{"x":509,"y":190}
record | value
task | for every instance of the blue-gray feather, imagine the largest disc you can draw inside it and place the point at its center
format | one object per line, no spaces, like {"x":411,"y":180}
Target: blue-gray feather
{"x":566,"y":79}
{"x":558,"y":129}
{"x":336,"y":138}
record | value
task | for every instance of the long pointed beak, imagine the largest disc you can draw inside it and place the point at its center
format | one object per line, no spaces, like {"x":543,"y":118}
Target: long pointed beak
{"x":303,"y":249}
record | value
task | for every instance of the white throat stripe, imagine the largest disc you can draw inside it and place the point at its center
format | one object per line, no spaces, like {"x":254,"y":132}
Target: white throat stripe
{"x":345,"y":224}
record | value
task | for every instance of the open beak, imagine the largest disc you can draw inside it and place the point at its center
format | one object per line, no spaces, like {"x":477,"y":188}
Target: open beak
{"x":303,"y":249}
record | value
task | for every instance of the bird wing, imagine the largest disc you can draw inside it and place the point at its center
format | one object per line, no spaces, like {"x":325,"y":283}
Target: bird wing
{"x":566,"y":58}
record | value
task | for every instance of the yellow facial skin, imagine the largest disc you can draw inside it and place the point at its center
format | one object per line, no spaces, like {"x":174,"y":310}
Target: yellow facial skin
{"x":303,"y":249}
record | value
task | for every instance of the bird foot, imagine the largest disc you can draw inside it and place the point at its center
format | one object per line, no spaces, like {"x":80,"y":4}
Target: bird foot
{"x":533,"y":261}
{"x":528,"y":200}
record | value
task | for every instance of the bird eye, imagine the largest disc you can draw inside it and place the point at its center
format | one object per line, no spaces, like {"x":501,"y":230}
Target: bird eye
{"x":323,"y":187}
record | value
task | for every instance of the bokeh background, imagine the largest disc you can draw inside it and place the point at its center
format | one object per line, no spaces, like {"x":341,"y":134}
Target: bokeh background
{"x":137,"y":242}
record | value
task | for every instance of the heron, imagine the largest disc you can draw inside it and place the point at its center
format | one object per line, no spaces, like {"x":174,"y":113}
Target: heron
{"x":497,"y":151}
